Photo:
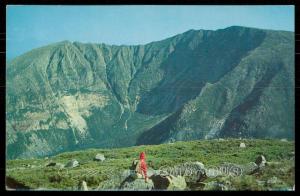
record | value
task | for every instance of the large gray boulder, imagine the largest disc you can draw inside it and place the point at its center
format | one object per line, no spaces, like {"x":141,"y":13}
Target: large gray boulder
{"x":242,"y":145}
{"x":231,"y":169}
{"x":137,"y":184}
{"x":261,"y":161}
{"x":250,"y":168}
{"x":51,"y":164}
{"x":60,"y":165}
{"x":72,"y":164}
{"x":213,"y":172}
{"x":191,"y":171}
{"x":54,"y":164}
{"x":99,"y":157}
{"x":168,"y":182}
{"x":215,"y":186}
{"x":84,"y":186}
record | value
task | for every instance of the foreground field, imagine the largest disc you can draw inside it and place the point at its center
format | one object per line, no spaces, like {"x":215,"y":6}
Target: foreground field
{"x":53,"y":173}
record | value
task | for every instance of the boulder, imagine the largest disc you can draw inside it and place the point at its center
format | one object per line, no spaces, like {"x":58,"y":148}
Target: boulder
{"x":99,"y":157}
{"x":171,"y":141}
{"x":261,"y":182}
{"x":215,"y":186}
{"x":212,"y":173}
{"x":250,"y":168}
{"x":242,"y":145}
{"x":134,"y":175}
{"x":84,"y":186}
{"x":73,"y":163}
{"x":261,"y":161}
{"x":134,"y":165}
{"x":51,"y":164}
{"x":191,"y":171}
{"x":151,"y":172}
{"x":127,"y":173}
{"x":273,"y":163}
{"x":230,"y":169}
{"x":284,"y":140}
{"x":137,"y":184}
{"x":60,"y":165}
{"x":273,"y":180}
{"x":168,"y":182}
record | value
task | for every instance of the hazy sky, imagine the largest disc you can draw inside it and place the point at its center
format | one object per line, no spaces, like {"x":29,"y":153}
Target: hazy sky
{"x":29,"y":27}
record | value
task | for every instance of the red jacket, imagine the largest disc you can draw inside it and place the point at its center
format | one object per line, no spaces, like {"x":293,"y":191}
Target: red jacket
{"x":143,"y":165}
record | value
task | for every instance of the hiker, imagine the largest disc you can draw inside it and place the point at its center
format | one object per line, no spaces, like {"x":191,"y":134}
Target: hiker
{"x":142,"y":166}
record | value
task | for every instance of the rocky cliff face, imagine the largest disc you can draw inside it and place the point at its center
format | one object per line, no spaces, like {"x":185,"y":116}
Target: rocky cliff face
{"x":233,"y":82}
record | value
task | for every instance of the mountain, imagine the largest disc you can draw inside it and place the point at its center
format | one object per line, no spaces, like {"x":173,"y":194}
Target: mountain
{"x":202,"y":84}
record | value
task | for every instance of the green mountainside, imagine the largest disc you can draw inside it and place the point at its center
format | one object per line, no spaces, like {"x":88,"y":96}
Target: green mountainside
{"x":202,"y":84}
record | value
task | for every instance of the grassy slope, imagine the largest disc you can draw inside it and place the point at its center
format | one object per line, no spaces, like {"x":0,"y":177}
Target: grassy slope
{"x":209,"y":152}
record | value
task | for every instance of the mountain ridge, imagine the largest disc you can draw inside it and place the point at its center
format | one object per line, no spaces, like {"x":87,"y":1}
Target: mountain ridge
{"x":73,"y":95}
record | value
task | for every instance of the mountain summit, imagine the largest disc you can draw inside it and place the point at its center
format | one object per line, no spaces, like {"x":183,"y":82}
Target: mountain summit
{"x":202,"y":84}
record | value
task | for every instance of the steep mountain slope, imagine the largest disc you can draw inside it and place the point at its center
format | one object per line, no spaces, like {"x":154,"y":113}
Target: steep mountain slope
{"x":233,"y":82}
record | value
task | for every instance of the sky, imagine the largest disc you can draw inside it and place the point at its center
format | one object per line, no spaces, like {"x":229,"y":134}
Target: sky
{"x":29,"y":26}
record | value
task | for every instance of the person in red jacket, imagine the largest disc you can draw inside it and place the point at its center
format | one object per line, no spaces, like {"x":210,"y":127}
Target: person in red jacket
{"x":143,"y":166}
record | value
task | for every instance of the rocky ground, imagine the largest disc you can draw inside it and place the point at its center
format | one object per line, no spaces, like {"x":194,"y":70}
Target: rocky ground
{"x":232,"y":164}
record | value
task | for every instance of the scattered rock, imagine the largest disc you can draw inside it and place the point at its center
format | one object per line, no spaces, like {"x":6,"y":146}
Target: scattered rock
{"x":242,"y":145}
{"x":151,"y":172}
{"x":273,"y":180}
{"x":231,"y":169}
{"x":273,"y":163}
{"x":261,"y":182}
{"x":261,"y":161}
{"x":134,"y":165}
{"x":215,"y":186}
{"x":13,"y":184}
{"x":137,"y":184}
{"x":212,"y":173}
{"x":201,"y":165}
{"x":127,"y":173}
{"x":176,"y":183}
{"x":171,"y":141}
{"x":51,"y":164}
{"x":99,"y":157}
{"x":84,"y":186}
{"x":73,"y":163}
{"x":191,"y":171}
{"x":292,"y":155}
{"x":60,"y":165}
{"x":169,"y":182}
{"x":250,"y":168}
{"x":197,"y":186}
